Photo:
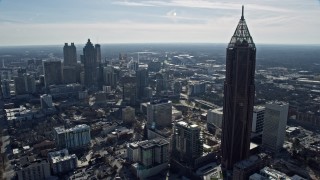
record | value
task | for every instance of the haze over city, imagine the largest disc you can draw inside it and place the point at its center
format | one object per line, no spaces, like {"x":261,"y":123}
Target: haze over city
{"x":45,"y":22}
{"x":160,"y":90}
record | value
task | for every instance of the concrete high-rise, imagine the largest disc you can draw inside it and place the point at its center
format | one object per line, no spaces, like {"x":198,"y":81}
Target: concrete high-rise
{"x":69,"y":54}
{"x":52,"y":72}
{"x":275,"y":121}
{"x":239,"y":90}
{"x":258,"y":119}
{"x":24,"y":84}
{"x":187,"y":143}
{"x":159,"y":114}
{"x":214,"y":117}
{"x":30,"y":82}
{"x":109,"y":76}
{"x":90,"y":65}
{"x":62,"y":162}
{"x":46,"y":101}
{"x":73,"y":138}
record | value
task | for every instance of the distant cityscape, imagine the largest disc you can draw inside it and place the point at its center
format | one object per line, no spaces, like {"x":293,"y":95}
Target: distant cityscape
{"x":233,"y":111}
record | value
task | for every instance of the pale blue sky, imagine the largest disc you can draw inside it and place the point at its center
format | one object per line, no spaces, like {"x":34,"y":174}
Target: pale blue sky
{"x":37,"y":22}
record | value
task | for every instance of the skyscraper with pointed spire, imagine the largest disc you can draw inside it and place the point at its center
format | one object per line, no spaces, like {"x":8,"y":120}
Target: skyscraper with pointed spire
{"x":239,"y":90}
{"x":90,"y":65}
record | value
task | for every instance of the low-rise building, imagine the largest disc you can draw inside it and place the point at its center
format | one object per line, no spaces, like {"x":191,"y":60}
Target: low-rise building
{"x":269,"y":173}
{"x":243,"y":169}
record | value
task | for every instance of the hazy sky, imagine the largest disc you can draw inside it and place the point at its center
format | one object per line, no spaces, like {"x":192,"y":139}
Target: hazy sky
{"x":40,"y":22}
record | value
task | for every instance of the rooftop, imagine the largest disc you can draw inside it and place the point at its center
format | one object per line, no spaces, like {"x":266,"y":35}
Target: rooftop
{"x":217,"y":111}
{"x":250,"y":161}
{"x":187,"y":125}
{"x":279,"y":103}
{"x":258,"y":108}
{"x":153,"y":142}
{"x":79,"y":127}
{"x":58,"y":159}
{"x":272,"y":173}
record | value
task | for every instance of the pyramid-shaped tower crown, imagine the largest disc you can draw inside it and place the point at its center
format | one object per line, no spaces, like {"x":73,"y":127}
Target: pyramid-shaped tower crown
{"x":241,"y":35}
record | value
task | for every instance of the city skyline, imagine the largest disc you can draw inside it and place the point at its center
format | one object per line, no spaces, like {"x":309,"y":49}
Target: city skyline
{"x":160,"y":111}
{"x":48,"y":23}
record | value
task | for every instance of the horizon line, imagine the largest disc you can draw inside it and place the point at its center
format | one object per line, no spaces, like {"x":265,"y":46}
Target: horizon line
{"x":124,"y":43}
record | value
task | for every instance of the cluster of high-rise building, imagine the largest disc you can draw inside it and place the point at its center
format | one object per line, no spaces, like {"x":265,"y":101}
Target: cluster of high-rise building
{"x":91,"y":106}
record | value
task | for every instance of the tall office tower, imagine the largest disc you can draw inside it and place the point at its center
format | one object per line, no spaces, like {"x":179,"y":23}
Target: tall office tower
{"x":19,"y":85}
{"x":97,"y":48}
{"x":187,"y":143}
{"x":69,"y":54}
{"x":90,"y":65}
{"x":275,"y":121}
{"x":258,"y":119}
{"x":239,"y":92}
{"x":52,"y":72}
{"x":73,"y":138}
{"x":24,"y":84}
{"x":30,"y":83}
{"x":128,"y":84}
{"x":159,"y":114}
{"x":69,"y":74}
{"x":142,"y":77}
{"x":110,"y":77}
{"x":1,"y":94}
{"x":5,"y":87}
{"x":46,"y":101}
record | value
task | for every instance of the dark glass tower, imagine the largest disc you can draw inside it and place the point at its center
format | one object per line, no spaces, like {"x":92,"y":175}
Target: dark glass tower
{"x":142,"y":76}
{"x":90,"y":65}
{"x":239,"y":90}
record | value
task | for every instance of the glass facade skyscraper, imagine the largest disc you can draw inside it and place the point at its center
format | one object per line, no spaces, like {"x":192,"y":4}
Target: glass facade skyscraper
{"x":239,"y":90}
